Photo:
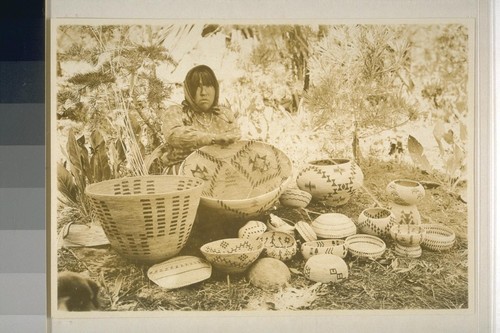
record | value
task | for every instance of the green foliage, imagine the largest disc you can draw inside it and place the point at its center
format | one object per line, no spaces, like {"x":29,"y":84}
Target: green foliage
{"x":84,"y":168}
{"x":357,"y":76}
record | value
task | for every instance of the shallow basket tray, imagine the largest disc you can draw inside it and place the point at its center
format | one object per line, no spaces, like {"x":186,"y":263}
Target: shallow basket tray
{"x":365,"y":246}
{"x":146,"y":218}
{"x":242,"y":180}
{"x":438,"y":237}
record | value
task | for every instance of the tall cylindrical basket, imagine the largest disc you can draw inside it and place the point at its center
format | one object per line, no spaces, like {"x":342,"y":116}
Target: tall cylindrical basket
{"x":147,"y":218}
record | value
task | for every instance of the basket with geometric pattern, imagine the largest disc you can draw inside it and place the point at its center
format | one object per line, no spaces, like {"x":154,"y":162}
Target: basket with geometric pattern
{"x":242,"y":180}
{"x":146,"y":218}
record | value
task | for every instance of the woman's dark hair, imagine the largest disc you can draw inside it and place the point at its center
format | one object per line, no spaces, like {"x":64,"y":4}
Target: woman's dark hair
{"x":201,"y":75}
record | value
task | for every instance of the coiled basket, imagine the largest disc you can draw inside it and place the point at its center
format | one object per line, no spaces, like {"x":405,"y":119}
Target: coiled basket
{"x":242,"y":180}
{"x":147,"y":218}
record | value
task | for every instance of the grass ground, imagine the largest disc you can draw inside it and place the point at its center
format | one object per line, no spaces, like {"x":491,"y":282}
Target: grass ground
{"x":436,"y":280}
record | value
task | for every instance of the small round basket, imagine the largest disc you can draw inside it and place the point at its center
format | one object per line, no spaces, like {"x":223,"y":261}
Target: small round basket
{"x":365,"y":246}
{"x":326,"y":268}
{"x":232,"y":255}
{"x":326,"y":246}
{"x":376,"y":221}
{"x":438,"y":237}
{"x":408,"y":234}
{"x":405,"y":192}
{"x":242,"y":180}
{"x":146,"y":218}
{"x":296,"y":198}
{"x":278,"y":245}
{"x":333,"y":225}
{"x":252,"y":229}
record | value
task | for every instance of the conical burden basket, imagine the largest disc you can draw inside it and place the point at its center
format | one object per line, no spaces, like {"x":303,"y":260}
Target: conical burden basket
{"x":147,"y":218}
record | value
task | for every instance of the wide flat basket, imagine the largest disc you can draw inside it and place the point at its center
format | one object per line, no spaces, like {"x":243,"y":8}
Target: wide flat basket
{"x":242,"y":180}
{"x":147,"y":218}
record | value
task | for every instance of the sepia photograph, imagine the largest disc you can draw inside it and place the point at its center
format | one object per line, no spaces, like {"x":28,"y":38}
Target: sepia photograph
{"x":261,"y":166}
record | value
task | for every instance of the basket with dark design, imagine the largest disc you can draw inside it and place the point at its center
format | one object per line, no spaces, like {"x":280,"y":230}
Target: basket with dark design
{"x":242,"y":180}
{"x":147,"y":218}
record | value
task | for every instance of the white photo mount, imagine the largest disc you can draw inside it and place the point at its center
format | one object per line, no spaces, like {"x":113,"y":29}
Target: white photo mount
{"x":476,"y":15}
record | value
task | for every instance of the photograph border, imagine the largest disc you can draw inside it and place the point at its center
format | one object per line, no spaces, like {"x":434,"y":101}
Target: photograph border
{"x":480,"y":305}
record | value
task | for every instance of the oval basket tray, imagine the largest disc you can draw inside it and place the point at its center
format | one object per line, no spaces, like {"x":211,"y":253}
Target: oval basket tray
{"x":365,"y":246}
{"x":438,"y":237}
{"x":180,"y":271}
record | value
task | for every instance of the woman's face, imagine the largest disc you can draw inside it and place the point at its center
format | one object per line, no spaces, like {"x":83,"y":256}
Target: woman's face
{"x":204,"y":97}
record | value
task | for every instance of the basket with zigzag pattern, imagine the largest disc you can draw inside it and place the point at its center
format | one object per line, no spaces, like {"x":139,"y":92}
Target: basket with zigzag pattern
{"x":232,"y":255}
{"x":242,"y":180}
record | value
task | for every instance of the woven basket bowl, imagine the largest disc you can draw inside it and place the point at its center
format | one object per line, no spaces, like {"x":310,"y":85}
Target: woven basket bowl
{"x":242,"y":180}
{"x":146,"y":218}
{"x":408,"y":251}
{"x":326,"y":268}
{"x":365,"y":246}
{"x":405,"y":192}
{"x":232,"y":255}
{"x":278,"y":245}
{"x":295,"y":198}
{"x":407,"y":234}
{"x":333,"y":225}
{"x":376,"y":221}
{"x":326,"y":246}
{"x":252,"y":229}
{"x":438,"y":237}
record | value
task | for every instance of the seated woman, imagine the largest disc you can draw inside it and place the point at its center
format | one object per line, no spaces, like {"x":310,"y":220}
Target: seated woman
{"x":199,"y":121}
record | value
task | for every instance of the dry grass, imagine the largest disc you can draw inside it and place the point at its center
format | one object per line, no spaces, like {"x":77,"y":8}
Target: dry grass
{"x":433,"y":281}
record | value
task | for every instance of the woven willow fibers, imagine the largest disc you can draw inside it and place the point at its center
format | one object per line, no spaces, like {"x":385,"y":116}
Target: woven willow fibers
{"x":147,"y":218}
{"x":242,"y":179}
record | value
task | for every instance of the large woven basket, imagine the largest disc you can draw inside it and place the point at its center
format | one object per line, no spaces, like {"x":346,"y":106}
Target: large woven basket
{"x":242,"y":180}
{"x":147,"y":218}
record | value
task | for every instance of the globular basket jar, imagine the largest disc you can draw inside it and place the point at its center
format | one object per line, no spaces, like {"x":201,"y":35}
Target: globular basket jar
{"x":278,"y":245}
{"x":326,"y":268}
{"x":325,"y":246}
{"x":376,"y":221}
{"x":438,"y":237}
{"x":405,"y":214}
{"x":333,"y":225}
{"x":405,"y":192}
{"x":408,"y":235}
{"x":293,"y":197}
{"x":146,"y":218}
{"x":331,"y":181}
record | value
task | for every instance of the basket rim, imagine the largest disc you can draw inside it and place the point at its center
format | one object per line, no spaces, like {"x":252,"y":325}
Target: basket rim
{"x":233,"y":239}
{"x":90,"y":187}
{"x":270,"y":193}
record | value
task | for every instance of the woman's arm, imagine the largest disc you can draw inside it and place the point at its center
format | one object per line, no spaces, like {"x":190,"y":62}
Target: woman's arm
{"x":179,"y":135}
